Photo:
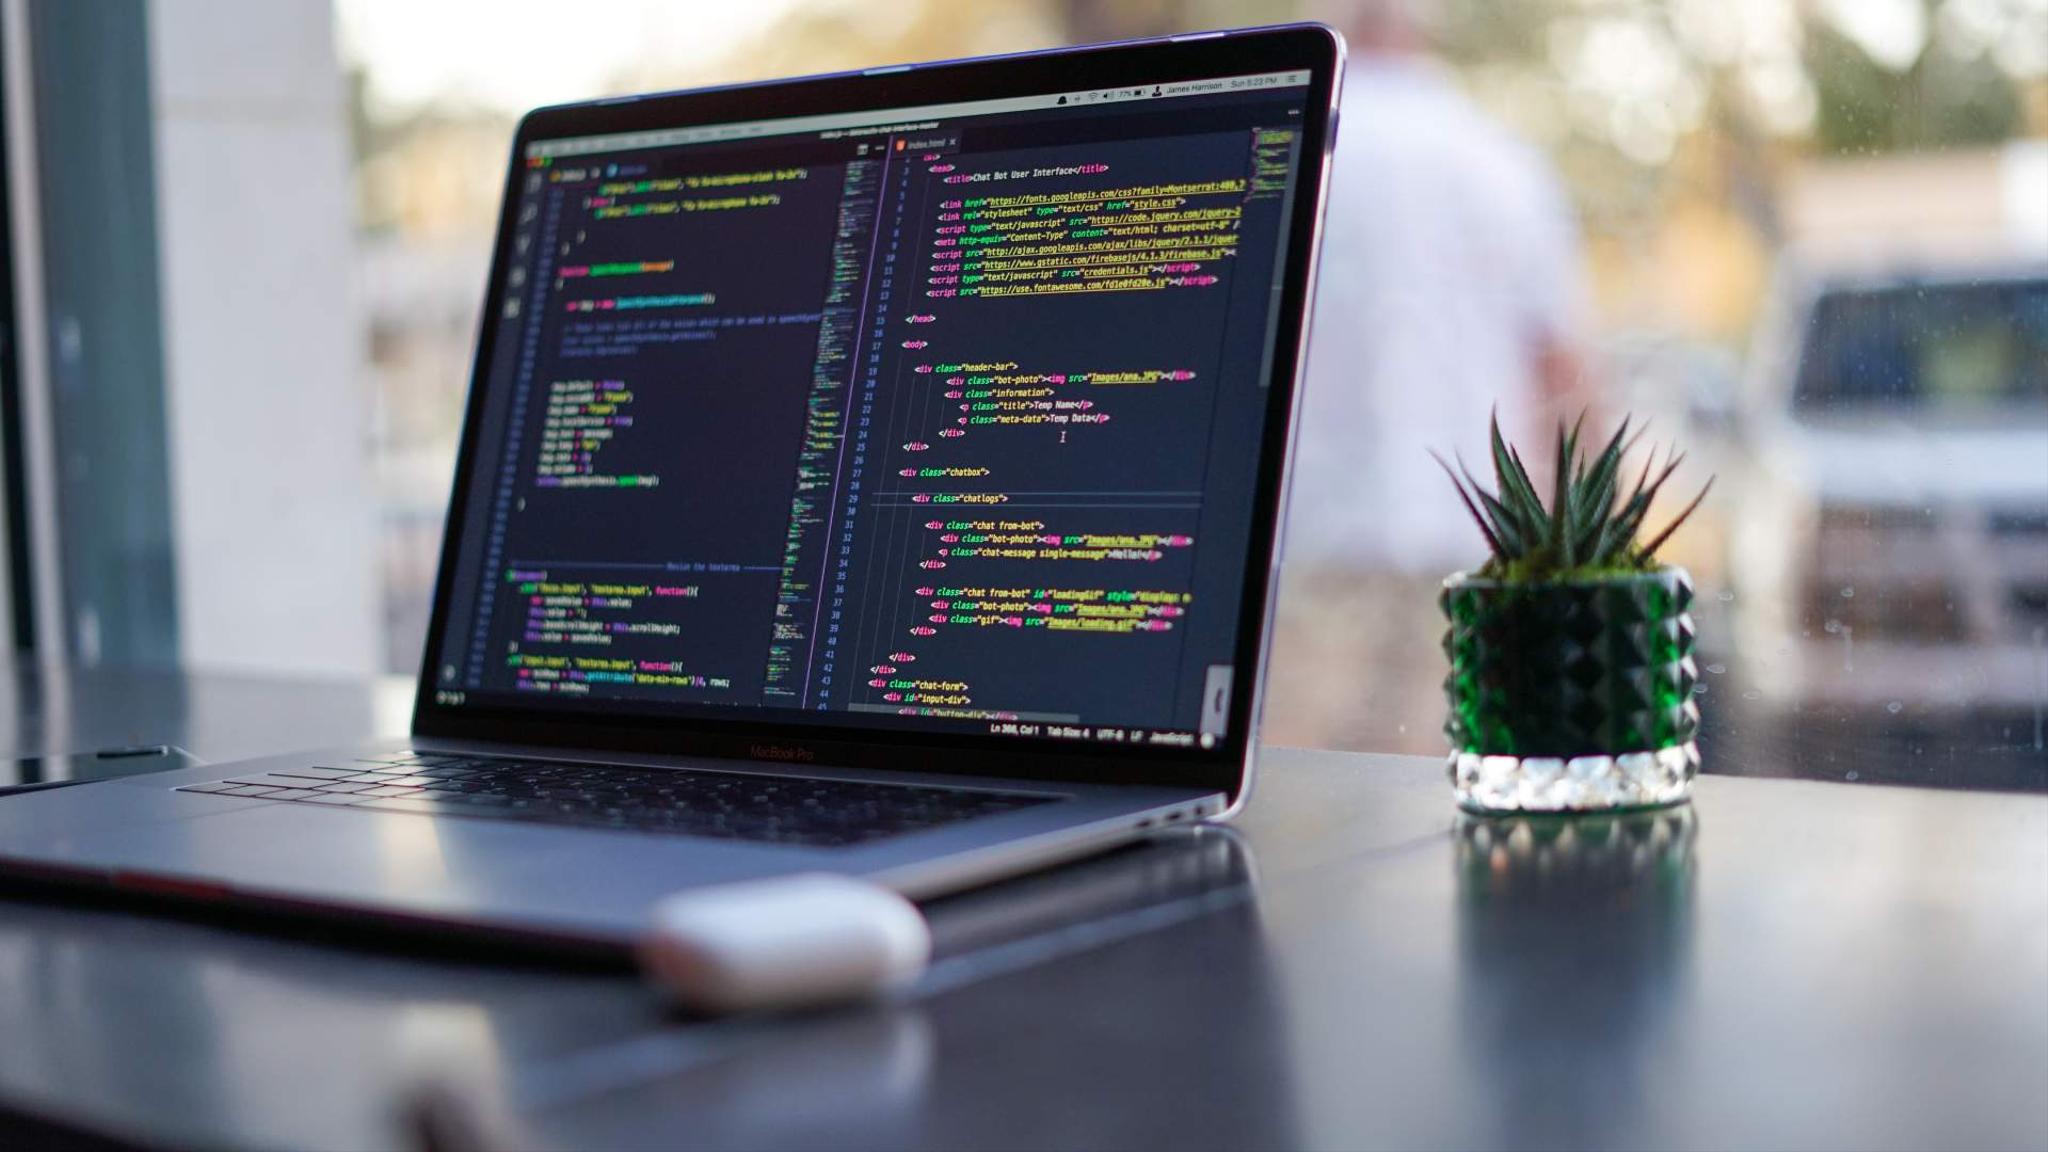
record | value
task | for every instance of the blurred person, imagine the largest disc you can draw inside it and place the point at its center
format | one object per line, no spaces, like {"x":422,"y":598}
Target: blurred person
{"x":1450,"y":287}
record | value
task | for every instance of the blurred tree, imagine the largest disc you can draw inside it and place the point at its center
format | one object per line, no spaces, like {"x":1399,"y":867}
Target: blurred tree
{"x":1087,"y":21}
{"x":1943,"y":100}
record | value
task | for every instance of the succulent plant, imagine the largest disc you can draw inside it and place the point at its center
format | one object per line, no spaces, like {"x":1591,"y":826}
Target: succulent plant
{"x":1589,"y":527}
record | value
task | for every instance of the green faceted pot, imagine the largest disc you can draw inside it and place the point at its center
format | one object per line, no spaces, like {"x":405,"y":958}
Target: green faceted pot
{"x":1571,"y":696}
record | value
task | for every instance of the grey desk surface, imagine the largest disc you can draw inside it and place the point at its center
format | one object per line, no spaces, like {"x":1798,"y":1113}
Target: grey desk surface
{"x":1783,"y":964}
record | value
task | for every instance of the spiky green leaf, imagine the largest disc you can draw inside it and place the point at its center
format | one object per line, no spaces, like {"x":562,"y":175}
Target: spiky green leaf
{"x":1591,"y":521}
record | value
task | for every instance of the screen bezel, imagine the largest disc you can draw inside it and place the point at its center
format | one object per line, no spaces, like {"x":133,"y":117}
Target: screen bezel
{"x":1310,"y":47}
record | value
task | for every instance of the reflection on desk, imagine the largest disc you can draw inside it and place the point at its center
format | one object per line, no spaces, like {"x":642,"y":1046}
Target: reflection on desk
{"x":888,"y":1072}
{"x":1592,"y":914}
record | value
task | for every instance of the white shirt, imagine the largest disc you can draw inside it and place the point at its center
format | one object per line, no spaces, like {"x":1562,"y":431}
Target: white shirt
{"x":1450,"y":258}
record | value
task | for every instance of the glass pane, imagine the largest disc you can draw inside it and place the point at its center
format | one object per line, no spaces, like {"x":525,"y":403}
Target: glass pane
{"x":1805,"y":242}
{"x":98,"y":304}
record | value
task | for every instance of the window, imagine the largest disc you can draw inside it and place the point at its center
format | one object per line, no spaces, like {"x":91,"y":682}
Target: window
{"x":1807,"y":241}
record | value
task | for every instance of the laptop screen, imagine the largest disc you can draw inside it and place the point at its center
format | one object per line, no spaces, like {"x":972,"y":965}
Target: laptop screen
{"x":941,"y":418}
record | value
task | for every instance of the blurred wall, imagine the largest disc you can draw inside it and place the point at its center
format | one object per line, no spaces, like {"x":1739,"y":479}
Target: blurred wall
{"x":271,"y":498}
{"x":1978,"y":205}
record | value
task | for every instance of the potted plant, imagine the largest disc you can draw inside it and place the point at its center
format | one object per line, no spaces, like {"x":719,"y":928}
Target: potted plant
{"x":1571,"y":649}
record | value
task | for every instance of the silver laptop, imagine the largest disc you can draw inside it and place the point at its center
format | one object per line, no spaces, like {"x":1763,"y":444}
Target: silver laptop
{"x":878,"y":473}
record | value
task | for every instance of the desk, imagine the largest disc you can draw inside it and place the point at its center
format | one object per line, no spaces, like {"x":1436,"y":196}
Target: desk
{"x":1783,"y":964}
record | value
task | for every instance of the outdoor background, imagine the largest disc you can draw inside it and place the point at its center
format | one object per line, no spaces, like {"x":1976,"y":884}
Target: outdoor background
{"x":1725,"y":160}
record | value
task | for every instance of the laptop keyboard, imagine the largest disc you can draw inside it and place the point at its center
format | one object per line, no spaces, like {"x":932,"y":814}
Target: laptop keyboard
{"x":683,"y":802}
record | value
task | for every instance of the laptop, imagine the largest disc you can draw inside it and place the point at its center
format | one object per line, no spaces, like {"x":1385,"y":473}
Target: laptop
{"x":878,"y":473}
